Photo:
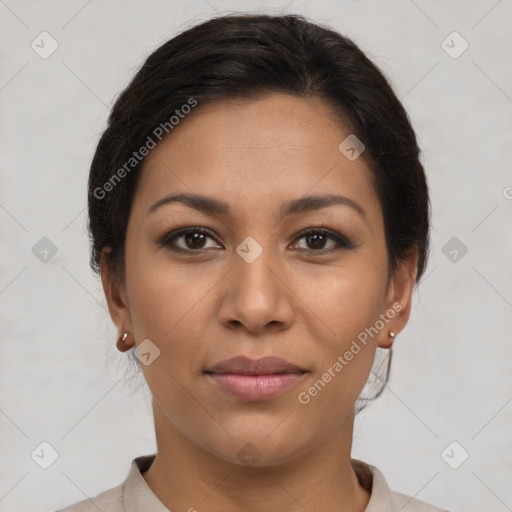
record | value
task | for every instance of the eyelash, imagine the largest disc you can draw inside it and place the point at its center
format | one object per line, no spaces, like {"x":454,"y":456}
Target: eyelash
{"x":342,"y":242}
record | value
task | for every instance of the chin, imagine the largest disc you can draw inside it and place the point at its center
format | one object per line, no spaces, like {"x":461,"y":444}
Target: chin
{"x":257,"y":446}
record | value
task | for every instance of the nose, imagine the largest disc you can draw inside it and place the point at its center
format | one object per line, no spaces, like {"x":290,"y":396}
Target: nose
{"x":256,"y":296}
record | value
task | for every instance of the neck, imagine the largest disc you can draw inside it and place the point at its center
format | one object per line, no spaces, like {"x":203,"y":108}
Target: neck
{"x":184,"y":476}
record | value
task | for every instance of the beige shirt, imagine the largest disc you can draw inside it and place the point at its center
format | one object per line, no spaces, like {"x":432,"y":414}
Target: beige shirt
{"x":134,"y":494}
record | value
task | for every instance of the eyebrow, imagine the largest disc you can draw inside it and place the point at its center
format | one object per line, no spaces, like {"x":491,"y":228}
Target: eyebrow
{"x":294,"y":207}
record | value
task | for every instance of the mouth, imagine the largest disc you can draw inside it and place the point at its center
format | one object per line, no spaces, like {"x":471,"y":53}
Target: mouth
{"x":254,"y":380}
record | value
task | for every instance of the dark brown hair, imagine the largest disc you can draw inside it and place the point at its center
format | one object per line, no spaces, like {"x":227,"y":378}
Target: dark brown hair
{"x":245,"y":56}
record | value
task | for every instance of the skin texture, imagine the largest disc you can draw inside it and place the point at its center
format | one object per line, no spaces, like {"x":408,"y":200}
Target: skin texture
{"x":202,"y":307}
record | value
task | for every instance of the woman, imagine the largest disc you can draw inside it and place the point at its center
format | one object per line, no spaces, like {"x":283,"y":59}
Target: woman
{"x":259,"y":217}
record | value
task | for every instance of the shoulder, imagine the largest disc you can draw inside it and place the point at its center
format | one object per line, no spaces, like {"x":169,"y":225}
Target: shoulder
{"x":111,"y":500}
{"x":382,"y":497}
{"x":407,"y":504}
{"x":133,"y":493}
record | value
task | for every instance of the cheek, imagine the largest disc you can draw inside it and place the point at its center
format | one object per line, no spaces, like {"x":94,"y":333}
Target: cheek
{"x":341,"y":308}
{"x":170,"y":305}
{"x":166,"y":306}
{"x":162,"y":294}
{"x":346,"y":299}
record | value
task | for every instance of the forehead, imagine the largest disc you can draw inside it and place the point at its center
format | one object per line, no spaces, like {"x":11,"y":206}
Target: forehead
{"x":265,"y":150}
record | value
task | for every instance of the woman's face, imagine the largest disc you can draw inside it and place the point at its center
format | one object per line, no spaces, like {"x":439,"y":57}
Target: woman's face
{"x":255,"y":285}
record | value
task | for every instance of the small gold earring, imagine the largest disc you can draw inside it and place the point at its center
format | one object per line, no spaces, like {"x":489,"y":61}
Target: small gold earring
{"x":391,"y":334}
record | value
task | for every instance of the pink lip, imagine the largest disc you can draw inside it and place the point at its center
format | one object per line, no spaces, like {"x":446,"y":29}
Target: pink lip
{"x":260,"y":379}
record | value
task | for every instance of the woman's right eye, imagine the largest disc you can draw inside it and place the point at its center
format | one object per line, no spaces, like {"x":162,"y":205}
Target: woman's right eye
{"x":192,"y":239}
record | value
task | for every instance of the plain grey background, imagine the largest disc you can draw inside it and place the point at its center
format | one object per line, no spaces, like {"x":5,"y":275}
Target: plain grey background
{"x":61,"y":379}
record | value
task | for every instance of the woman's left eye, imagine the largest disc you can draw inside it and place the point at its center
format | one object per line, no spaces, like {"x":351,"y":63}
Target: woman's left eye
{"x":317,"y":239}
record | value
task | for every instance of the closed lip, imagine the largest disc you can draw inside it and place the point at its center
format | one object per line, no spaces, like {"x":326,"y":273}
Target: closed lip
{"x":243,"y":365}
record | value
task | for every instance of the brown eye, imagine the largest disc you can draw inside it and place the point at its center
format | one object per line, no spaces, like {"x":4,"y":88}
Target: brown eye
{"x":192,"y":239}
{"x":317,"y":239}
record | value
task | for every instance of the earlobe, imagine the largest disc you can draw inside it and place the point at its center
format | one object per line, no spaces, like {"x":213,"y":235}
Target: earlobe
{"x":122,"y":342}
{"x":388,"y":342}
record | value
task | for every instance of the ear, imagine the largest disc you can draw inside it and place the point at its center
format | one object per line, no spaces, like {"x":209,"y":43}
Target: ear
{"x":115,"y":293}
{"x":399,"y":297}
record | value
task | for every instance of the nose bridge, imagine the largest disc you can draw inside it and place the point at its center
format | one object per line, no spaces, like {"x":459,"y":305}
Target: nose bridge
{"x":253,"y":264}
{"x":255,"y":296}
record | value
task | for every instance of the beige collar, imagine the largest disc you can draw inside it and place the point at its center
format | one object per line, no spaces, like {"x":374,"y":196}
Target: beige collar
{"x":137,"y":495}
